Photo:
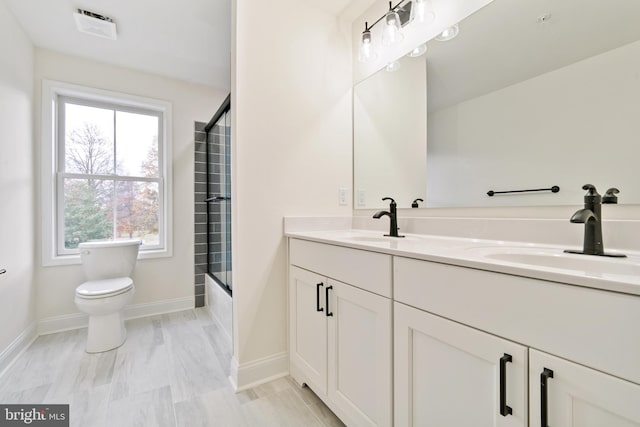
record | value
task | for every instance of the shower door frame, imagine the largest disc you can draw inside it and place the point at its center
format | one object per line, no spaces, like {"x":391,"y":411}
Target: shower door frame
{"x":225,"y":108}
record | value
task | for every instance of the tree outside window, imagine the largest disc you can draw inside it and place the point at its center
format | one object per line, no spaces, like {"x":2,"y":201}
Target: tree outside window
{"x":110,"y":176}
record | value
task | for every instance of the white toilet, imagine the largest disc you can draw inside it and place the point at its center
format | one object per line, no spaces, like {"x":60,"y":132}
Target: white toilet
{"x":107,"y":267}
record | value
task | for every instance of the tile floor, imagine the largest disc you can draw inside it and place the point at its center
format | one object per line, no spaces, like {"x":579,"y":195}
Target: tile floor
{"x":171,"y":371}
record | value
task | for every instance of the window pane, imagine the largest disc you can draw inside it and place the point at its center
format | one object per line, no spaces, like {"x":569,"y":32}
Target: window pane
{"x":88,"y":212}
{"x":137,"y":211}
{"x":137,"y":144}
{"x":88,"y":139}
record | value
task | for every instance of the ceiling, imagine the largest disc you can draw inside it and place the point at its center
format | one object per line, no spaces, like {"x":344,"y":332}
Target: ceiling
{"x":188,"y":40}
{"x":503,"y":44}
{"x":333,"y":7}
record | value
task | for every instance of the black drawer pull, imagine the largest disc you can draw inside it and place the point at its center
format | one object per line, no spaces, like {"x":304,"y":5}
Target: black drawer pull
{"x":3,"y":271}
{"x":318,"y":285}
{"x":326,"y":296}
{"x":544,"y":376}
{"x":504,"y":408}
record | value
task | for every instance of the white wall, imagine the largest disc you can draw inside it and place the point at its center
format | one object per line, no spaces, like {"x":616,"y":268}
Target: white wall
{"x":156,"y":279}
{"x":17,"y":198}
{"x":291,"y":130}
{"x":589,"y":109}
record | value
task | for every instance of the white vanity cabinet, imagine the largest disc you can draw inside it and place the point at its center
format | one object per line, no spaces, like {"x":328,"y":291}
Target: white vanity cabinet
{"x":340,"y":329}
{"x":447,"y":374}
{"x":308,"y":328}
{"x":567,"y":394}
{"x":385,"y":339}
{"x":453,"y":324}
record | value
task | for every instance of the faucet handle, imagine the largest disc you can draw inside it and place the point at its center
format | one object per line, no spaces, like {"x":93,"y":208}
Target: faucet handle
{"x":610,"y":196}
{"x":393,"y":202}
{"x":592,"y":197}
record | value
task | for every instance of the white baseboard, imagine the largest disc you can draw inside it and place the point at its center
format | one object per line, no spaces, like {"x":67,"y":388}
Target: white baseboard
{"x":17,"y":346}
{"x":159,"y":307}
{"x":251,"y":374}
{"x":68,"y":322}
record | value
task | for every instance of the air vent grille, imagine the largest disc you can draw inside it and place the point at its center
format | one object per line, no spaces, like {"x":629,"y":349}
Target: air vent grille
{"x":95,"y":24}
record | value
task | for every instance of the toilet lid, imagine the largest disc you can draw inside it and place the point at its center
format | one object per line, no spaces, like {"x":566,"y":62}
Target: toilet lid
{"x":104,"y":288}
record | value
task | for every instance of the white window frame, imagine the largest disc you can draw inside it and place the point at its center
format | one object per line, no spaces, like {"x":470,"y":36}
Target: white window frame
{"x":52,"y":255}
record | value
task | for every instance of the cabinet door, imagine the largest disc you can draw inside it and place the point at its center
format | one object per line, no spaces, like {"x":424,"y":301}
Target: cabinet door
{"x":448,"y":374}
{"x":577,"y":396}
{"x":360,"y":350}
{"x":308,"y":329}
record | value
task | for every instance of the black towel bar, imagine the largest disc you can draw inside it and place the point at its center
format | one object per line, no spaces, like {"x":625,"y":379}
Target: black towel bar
{"x":553,"y":189}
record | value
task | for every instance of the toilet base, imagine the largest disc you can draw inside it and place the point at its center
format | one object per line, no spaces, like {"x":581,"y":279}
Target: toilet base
{"x":106,"y":332}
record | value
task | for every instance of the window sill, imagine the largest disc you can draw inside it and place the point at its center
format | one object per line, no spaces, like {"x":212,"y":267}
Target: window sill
{"x":75,"y":258}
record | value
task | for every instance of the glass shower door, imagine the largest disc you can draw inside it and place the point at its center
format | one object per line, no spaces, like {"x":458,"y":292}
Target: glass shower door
{"x":219,"y":200}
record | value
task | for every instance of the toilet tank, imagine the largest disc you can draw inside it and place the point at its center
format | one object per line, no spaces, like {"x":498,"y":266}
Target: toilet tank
{"x":109,"y":259}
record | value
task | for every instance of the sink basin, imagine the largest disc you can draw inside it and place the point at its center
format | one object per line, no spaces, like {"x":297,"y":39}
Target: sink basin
{"x":557,"y":259}
{"x":374,"y":239}
{"x":370,"y":238}
{"x":358,"y":236}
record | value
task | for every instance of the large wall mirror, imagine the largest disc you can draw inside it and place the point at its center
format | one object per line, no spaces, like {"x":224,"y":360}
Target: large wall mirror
{"x":531,"y":94}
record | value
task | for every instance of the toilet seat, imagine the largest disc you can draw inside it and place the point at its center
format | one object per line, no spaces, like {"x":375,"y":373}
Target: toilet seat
{"x":94,"y":289}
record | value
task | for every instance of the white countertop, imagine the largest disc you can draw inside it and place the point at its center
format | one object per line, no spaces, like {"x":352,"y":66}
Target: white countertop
{"x":611,"y":274}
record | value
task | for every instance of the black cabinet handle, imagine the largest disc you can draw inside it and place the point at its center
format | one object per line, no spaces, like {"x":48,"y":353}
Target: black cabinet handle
{"x":318,"y":285}
{"x":3,"y":271}
{"x":504,"y":408}
{"x":544,"y":376}
{"x":326,"y":296}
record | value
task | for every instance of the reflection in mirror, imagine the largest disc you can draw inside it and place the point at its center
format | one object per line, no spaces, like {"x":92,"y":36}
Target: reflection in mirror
{"x":390,"y":109}
{"x":530,"y":94}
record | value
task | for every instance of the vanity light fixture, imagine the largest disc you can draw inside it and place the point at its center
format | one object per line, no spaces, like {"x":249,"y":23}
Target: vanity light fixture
{"x":423,"y":11}
{"x":365,"y":52}
{"x":391,"y":33}
{"x":418,"y":51}
{"x":397,"y":17}
{"x":448,"y":33}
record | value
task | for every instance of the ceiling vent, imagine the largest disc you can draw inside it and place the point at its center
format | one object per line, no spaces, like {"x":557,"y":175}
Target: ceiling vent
{"x":94,"y":24}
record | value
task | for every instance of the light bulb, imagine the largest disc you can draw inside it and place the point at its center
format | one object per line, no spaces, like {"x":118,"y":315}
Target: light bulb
{"x":392,"y":66}
{"x":448,"y":33}
{"x":418,"y":51}
{"x":391,"y":33}
{"x":424,"y":12}
{"x":365,"y":52}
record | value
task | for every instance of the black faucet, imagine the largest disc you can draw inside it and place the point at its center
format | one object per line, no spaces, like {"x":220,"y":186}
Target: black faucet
{"x":591,"y":217}
{"x":393,"y":217}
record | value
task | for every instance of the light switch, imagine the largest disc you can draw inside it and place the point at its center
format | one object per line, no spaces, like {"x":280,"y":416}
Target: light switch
{"x":362,"y":198}
{"x":342,"y":196}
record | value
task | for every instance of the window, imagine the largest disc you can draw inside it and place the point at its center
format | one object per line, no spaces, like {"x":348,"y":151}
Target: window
{"x":108,"y":174}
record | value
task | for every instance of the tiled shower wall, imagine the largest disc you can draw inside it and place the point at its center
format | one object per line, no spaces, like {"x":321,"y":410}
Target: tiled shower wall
{"x":216,"y":160}
{"x":200,"y":212}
